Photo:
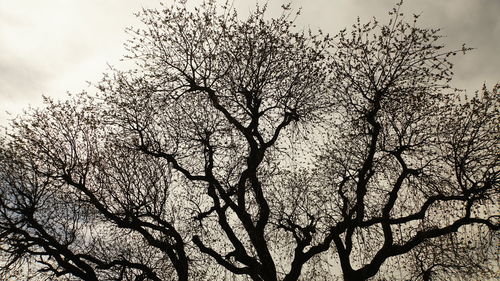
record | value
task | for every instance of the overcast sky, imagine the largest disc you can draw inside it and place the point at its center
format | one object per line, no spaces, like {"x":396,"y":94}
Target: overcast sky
{"x":49,"y":47}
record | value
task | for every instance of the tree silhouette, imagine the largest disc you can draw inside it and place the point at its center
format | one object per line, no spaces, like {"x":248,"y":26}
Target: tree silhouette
{"x":245,"y":149}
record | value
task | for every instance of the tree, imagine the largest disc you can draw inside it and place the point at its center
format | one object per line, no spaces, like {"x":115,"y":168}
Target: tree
{"x":408,"y":162}
{"x":245,"y":149}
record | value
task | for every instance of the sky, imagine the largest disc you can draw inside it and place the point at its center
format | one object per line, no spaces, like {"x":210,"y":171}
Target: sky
{"x":52,"y":47}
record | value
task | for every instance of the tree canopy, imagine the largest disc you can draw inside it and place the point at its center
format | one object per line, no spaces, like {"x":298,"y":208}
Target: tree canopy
{"x":246,"y":149}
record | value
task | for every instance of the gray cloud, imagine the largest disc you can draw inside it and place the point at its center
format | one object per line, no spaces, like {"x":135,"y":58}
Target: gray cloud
{"x":473,"y":22}
{"x":49,"y":47}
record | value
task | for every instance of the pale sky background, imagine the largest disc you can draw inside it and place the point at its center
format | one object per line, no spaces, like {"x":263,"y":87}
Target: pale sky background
{"x":49,"y":47}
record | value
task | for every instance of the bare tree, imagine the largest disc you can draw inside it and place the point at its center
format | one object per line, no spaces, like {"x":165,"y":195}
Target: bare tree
{"x":408,"y":161}
{"x":77,"y":205}
{"x":245,"y":149}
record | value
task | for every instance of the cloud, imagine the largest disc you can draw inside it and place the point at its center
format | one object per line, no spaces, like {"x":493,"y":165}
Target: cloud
{"x":53,"y":46}
{"x":474,"y":23}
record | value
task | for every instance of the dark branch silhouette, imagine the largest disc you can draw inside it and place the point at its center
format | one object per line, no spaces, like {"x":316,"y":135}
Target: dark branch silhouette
{"x":247,"y":150}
